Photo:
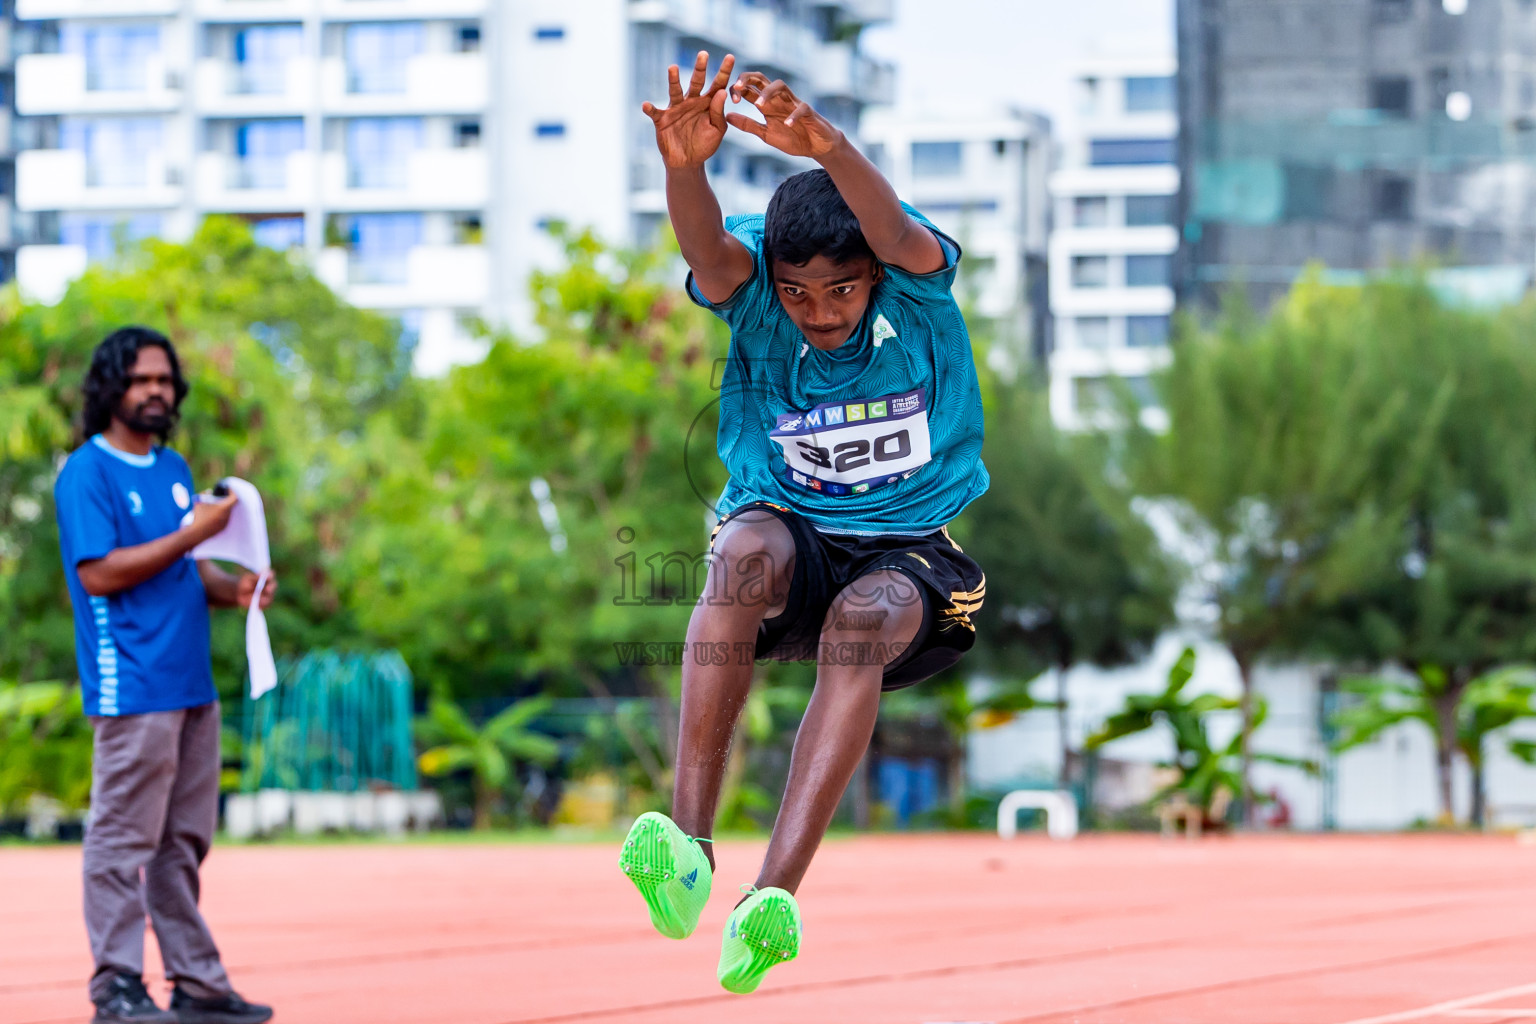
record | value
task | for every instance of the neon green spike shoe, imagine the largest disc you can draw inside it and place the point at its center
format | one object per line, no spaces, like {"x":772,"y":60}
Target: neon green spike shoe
{"x":671,"y":872}
{"x":763,"y":931}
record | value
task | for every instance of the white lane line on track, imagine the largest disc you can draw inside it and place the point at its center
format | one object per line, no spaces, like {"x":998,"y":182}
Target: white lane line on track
{"x":1504,"y":1011}
{"x":1446,"y":1008}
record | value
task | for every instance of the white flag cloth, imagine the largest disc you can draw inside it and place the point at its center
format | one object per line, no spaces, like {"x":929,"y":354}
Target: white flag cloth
{"x":244,"y":542}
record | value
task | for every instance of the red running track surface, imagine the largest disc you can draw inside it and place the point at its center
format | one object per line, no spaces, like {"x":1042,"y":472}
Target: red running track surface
{"x":899,"y":930}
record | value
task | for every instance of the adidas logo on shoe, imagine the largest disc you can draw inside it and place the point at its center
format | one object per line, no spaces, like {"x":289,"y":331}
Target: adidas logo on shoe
{"x":689,"y":879}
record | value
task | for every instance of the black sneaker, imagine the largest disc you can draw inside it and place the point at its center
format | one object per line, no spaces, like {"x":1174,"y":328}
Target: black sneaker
{"x":227,"y":1009}
{"x":127,"y":1002}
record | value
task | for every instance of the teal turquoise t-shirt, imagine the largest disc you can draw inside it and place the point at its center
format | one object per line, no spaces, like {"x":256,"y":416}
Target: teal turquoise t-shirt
{"x":881,"y":435}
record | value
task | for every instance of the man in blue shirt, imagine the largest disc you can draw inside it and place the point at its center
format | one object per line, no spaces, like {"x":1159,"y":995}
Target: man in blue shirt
{"x":128,"y":520}
{"x":851,"y":425}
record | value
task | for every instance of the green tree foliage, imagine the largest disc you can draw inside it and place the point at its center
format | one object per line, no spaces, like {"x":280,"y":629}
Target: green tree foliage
{"x":1360,"y":465}
{"x":1485,"y":706}
{"x":280,"y":369}
{"x":45,"y":746}
{"x":490,"y":753}
{"x":1074,"y":576}
{"x":448,"y":554}
{"x":1205,"y":769}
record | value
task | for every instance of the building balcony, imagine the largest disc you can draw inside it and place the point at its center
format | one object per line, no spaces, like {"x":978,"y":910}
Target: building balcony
{"x":48,"y":10}
{"x":430,"y":83}
{"x":243,"y":185}
{"x":411,"y":10}
{"x":64,"y":179}
{"x":1110,"y":362}
{"x":227,"y":89}
{"x":837,"y":69}
{"x":444,"y":343}
{"x":60,"y":83}
{"x":254,"y":11}
{"x":1114,"y":300}
{"x":428,"y":179}
{"x":1150,"y":179}
{"x":456,"y":276}
{"x":773,"y":43}
{"x":1067,"y":242}
{"x":868,"y":12}
{"x":43,"y":272}
{"x":719,"y":22}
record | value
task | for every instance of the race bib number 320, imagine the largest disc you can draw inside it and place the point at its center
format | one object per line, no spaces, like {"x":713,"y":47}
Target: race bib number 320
{"x":846,"y":448}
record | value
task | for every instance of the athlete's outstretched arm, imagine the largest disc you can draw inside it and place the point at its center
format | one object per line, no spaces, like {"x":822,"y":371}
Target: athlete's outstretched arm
{"x":688,"y":132}
{"x":791,"y":126}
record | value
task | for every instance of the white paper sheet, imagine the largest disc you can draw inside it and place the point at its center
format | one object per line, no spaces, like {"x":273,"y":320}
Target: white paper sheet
{"x":244,"y":542}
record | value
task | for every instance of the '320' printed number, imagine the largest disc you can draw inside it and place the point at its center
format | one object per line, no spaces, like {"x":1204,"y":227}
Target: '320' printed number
{"x":850,"y":455}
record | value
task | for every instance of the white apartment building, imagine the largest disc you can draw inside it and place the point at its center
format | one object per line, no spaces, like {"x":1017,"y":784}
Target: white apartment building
{"x":984,"y":182}
{"x":416,"y":150}
{"x":1111,"y":253}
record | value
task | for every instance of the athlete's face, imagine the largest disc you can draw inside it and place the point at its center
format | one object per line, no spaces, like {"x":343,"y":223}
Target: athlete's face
{"x":826,"y":299}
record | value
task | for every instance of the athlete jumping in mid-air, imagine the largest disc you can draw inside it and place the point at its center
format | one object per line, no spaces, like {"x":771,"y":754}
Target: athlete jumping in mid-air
{"x":850,"y":422}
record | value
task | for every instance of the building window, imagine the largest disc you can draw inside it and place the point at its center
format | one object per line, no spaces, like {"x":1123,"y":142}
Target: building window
{"x":1092,"y":394}
{"x":1092,"y":332}
{"x":1090,"y":212}
{"x":1146,"y":95}
{"x":409,"y":323}
{"x":1393,"y":198}
{"x":114,"y":55}
{"x":467,"y":39}
{"x":1100,"y":394}
{"x":1148,"y":271}
{"x":468,"y":229}
{"x":936,"y":159}
{"x":550,"y":129}
{"x":1146,"y":331}
{"x":1088,"y":96}
{"x":549,"y":33}
{"x":262,"y":53}
{"x":379,"y":151}
{"x":876,"y":153}
{"x":1148,"y":211}
{"x":101,"y":235}
{"x":117,"y":149}
{"x":381,"y":245}
{"x":964,"y":207}
{"x":1392,"y":95}
{"x":377,"y":55}
{"x":281,"y":233}
{"x":262,"y":149}
{"x":1388,"y":11}
{"x":1130,"y":152}
{"x":1090,"y":271}
{"x":466,"y":135}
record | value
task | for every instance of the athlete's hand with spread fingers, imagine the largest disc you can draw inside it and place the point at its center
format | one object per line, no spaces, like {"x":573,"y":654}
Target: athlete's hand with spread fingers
{"x":789,"y":124}
{"x":689,"y":130}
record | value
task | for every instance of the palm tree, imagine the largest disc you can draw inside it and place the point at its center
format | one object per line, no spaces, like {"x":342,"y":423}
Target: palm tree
{"x":1205,"y":770}
{"x":490,"y":752}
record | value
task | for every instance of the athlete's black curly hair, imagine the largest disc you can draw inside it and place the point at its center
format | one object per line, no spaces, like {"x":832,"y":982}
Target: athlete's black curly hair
{"x":806,"y":218}
{"x":107,"y":380}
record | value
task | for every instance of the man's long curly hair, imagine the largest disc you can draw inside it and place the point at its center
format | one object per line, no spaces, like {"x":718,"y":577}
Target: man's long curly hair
{"x":107,"y":380}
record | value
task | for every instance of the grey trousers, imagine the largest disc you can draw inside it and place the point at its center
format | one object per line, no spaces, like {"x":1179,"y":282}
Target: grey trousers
{"x":154,"y":806}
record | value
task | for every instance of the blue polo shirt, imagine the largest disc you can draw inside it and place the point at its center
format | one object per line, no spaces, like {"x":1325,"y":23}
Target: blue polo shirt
{"x":145,"y":648}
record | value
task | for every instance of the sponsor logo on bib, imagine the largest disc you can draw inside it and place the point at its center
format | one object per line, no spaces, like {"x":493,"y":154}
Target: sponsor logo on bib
{"x":843,"y":448}
{"x":135,"y":504}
